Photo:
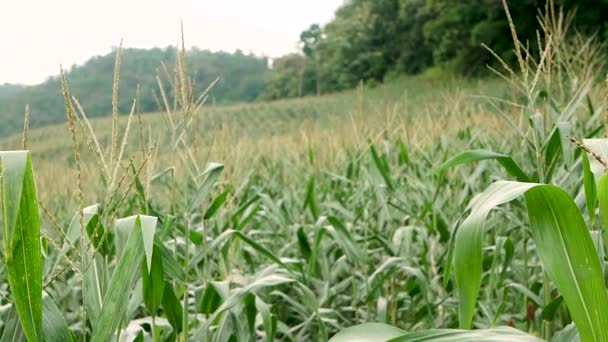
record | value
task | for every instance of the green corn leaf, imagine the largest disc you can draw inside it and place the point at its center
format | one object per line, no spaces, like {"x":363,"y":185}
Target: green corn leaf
{"x":116,"y":298}
{"x":404,"y":157}
{"x":473,"y":156}
{"x":153,"y":281}
{"x":564,"y":245}
{"x":94,"y":287}
{"x":570,"y":258}
{"x":590,"y":188}
{"x":368,"y":332}
{"x":303,"y":244}
{"x":173,"y":308}
{"x":213,"y":296}
{"x":53,"y":323}
{"x":311,"y":200}
{"x":12,"y":329}
{"x":602,"y":194}
{"x":96,"y":232}
{"x":269,"y":319}
{"x":238,"y":296}
{"x":229,"y":234}
{"x":209,"y":177}
{"x":382,"y":166}
{"x":21,"y":235}
{"x":250,"y":312}
{"x":216,"y":204}
{"x":503,"y":334}
{"x":345,"y":239}
{"x":375,"y":332}
{"x":172,"y":268}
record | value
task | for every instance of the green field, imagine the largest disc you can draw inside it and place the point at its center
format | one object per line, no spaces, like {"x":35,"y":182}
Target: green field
{"x":298,"y":219}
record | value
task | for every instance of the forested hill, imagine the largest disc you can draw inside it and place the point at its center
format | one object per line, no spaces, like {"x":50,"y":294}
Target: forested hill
{"x":367,"y":40}
{"x":242,"y":77}
{"x":372,"y":40}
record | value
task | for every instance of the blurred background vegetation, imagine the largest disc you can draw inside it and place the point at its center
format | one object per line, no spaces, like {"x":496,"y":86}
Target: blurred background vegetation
{"x":369,"y":41}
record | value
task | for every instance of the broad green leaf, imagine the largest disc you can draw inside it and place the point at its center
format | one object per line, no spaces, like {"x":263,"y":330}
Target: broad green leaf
{"x":477,"y":155}
{"x":173,"y":308}
{"x":570,"y":258}
{"x":228,"y":234}
{"x":53,"y":323}
{"x":96,"y":232}
{"x":209,"y":177}
{"x":344,"y":238}
{"x":563,"y":243}
{"x":126,"y":272}
{"x":311,"y":200}
{"x":500,"y":334}
{"x":367,"y":332}
{"x":21,"y":235}
{"x":468,"y":244}
{"x":213,"y":296}
{"x":549,"y":311}
{"x":552,"y":151}
{"x":602,"y":194}
{"x":153,"y":282}
{"x":404,"y":157}
{"x":382,"y":167}
{"x":269,"y":319}
{"x":303,"y":243}
{"x":216,"y":204}
{"x":237,"y":297}
{"x":171,"y":266}
{"x":590,"y":188}
{"x":250,"y":312}
{"x":95,"y":283}
{"x":12,"y":329}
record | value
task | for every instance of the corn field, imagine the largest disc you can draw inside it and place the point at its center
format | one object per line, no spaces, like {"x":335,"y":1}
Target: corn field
{"x":476,"y":217}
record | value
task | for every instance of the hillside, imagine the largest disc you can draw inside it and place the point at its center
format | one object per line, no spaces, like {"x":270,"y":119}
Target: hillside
{"x":241,"y":76}
{"x":247,"y":134}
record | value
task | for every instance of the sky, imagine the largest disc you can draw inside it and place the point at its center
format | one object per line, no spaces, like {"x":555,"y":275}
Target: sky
{"x":37,"y":36}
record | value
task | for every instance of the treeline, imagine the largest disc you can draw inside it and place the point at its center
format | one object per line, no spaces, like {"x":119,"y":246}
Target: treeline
{"x":368,"y":40}
{"x":371,"y":40}
{"x":242,"y":78}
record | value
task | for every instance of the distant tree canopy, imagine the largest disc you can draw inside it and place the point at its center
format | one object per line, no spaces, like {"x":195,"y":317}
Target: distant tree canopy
{"x":242,"y":78}
{"x":370,"y":39}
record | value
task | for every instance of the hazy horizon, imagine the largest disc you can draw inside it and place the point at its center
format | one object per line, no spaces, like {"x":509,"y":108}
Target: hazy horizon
{"x":39,"y":41}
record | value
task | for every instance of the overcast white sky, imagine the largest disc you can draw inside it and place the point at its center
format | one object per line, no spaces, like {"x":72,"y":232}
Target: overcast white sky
{"x":37,"y":35}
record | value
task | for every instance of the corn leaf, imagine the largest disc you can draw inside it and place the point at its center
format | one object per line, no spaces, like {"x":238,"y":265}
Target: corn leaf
{"x":473,"y":156}
{"x":503,"y":334}
{"x":209,"y":177}
{"x":116,"y":298}
{"x":21,"y":235}
{"x":368,"y":332}
{"x":564,"y":245}
{"x":570,"y":258}
{"x":602,"y":193}
{"x":590,"y":188}
{"x":53,"y":323}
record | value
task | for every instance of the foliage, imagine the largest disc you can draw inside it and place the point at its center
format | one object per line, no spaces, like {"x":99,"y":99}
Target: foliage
{"x":302,"y":245}
{"x":370,"y":40}
{"x":241,"y":78}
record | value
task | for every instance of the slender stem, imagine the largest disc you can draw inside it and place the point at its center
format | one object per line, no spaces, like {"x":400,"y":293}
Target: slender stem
{"x":186,"y":280}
